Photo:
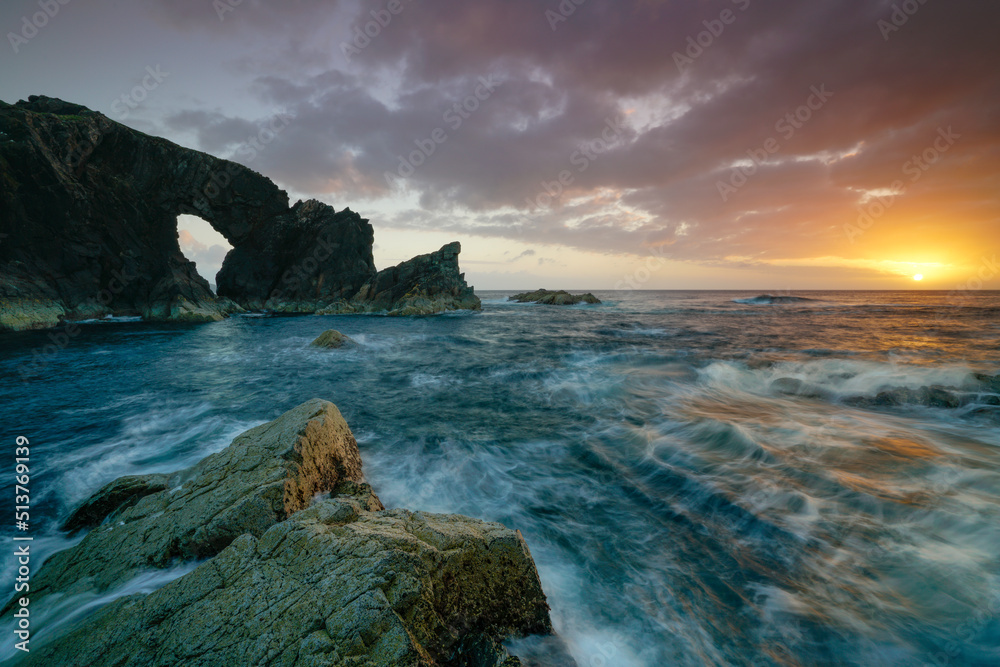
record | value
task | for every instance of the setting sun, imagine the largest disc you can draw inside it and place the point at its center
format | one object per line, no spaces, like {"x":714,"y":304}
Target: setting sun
{"x":919,"y":276}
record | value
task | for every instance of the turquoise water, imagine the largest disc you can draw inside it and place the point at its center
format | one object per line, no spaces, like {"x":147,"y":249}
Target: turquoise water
{"x":683,"y":508}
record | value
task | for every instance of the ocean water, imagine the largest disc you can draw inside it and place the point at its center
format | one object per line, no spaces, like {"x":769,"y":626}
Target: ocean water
{"x":682,"y":506}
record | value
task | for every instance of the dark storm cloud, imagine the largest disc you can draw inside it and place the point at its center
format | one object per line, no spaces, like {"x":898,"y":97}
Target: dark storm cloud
{"x":894,"y":84}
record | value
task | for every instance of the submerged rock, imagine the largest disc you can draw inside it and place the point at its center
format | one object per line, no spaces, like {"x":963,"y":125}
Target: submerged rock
{"x":293,"y":578}
{"x":332,"y":339}
{"x":560,"y":298}
{"x":115,"y":497}
{"x":797,"y":387}
{"x":934,"y":396}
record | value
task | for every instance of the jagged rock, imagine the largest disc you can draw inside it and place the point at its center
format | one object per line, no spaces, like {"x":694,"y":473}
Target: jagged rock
{"x":990,"y":383}
{"x":560,"y":298}
{"x":936,"y":397}
{"x":336,"y":584}
{"x":114,"y":497}
{"x":88,"y":227}
{"x":338,"y":581}
{"x":265,"y":475}
{"x":424,"y":285}
{"x":300,"y":260}
{"x":332,"y":339}
{"x":89,"y":209}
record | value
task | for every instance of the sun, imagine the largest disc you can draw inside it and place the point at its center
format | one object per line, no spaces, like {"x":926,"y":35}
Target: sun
{"x":918,"y":277}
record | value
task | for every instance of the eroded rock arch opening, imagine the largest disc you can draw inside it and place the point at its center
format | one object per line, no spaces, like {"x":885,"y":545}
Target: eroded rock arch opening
{"x":203,"y":245}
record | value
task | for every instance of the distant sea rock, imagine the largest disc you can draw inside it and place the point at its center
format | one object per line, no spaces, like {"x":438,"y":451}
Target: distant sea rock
{"x":304,"y":566}
{"x":768,"y":299}
{"x":560,"y":298}
{"x":333,"y":339}
{"x":88,"y":228}
{"x":424,"y":285}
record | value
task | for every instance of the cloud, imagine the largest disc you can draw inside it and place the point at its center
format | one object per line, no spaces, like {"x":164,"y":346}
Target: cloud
{"x":524,"y":163}
{"x":208,"y":259}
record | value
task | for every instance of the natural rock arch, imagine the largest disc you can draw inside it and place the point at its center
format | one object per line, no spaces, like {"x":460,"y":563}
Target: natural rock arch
{"x":88,"y":226}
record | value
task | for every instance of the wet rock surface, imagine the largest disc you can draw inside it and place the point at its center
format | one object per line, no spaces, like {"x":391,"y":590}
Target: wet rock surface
{"x":560,"y":298}
{"x":424,"y":285}
{"x":332,"y":340}
{"x":304,"y":566}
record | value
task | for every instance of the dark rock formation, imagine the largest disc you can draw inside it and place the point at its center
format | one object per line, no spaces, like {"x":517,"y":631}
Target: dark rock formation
{"x":983,"y":393}
{"x":90,"y":209}
{"x":88,"y":227}
{"x":292,"y":580}
{"x":299,"y":260}
{"x":796,"y":387}
{"x":424,"y":285}
{"x":560,"y":298}
{"x":265,"y":475}
{"x":119,"y":495}
{"x":332,"y":340}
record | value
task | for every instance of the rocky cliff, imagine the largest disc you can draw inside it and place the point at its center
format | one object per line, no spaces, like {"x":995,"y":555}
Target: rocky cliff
{"x":304,"y":566}
{"x":88,"y":227}
{"x":426,"y":284}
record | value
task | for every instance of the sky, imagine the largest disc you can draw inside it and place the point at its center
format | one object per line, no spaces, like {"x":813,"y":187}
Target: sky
{"x":575,"y":144}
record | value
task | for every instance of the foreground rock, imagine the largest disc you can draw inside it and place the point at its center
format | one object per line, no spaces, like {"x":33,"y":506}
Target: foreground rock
{"x":332,"y":340}
{"x":113,"y":498}
{"x":424,"y":285}
{"x":264,"y":476}
{"x":560,"y":298}
{"x":338,"y":581}
{"x":88,"y":214}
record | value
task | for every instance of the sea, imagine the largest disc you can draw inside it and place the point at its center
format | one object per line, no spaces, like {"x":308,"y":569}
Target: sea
{"x":703,"y":477}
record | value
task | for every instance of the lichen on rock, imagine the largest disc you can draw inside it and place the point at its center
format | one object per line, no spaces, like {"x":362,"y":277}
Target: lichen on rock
{"x":304,"y":566}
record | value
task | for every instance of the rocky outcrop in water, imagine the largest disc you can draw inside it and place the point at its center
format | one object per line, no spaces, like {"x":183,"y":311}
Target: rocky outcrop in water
{"x":300,"y":260}
{"x":424,"y":285}
{"x":980,"y":397}
{"x":332,"y":340}
{"x":88,"y":227}
{"x":305,"y":567}
{"x":548,"y":297}
{"x":114,"y":498}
